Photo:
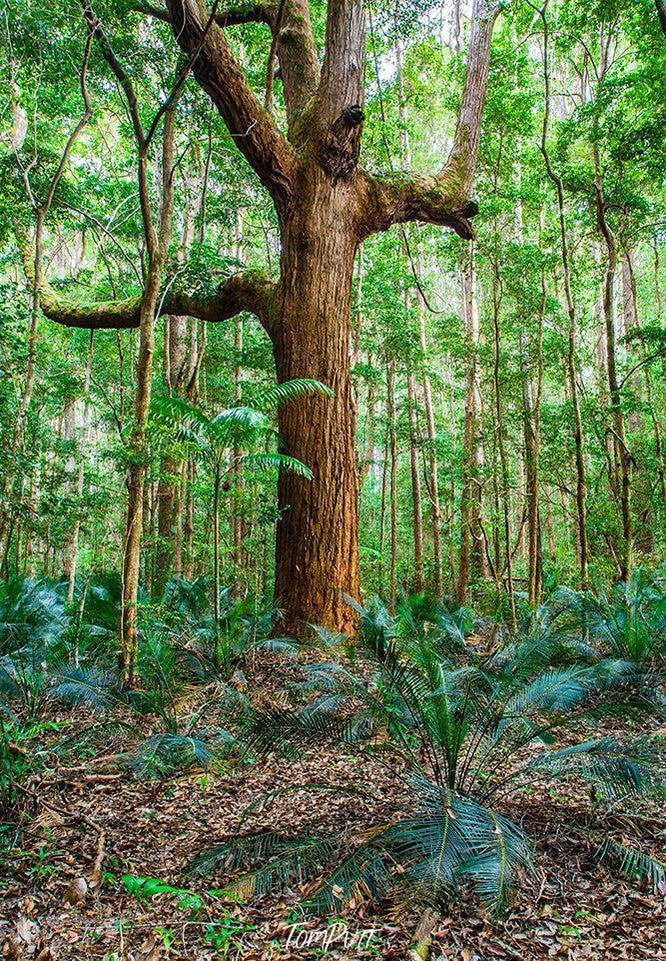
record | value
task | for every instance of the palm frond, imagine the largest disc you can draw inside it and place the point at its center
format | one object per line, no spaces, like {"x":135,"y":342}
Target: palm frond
{"x":289,"y":390}
{"x":636,"y":864}
{"x":85,"y":686}
{"x":280,"y":462}
{"x":283,"y":861}
{"x":613,"y":768}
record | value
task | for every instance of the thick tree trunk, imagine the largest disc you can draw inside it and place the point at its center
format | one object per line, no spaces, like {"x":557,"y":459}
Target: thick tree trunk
{"x":317,"y":534}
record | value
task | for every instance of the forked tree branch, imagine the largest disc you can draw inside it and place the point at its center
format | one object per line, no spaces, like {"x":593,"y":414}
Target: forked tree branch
{"x":445,"y":198}
{"x":293,"y":43}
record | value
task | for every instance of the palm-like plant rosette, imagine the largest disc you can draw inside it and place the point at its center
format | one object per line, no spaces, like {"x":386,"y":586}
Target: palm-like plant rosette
{"x":461,"y":734}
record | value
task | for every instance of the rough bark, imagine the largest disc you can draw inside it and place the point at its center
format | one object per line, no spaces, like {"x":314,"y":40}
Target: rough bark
{"x":317,"y":534}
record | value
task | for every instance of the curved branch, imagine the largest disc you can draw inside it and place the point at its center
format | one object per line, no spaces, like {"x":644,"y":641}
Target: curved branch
{"x":444,"y":199}
{"x":223,"y":79}
{"x":293,"y":43}
{"x":250,"y":291}
{"x":401,"y":197}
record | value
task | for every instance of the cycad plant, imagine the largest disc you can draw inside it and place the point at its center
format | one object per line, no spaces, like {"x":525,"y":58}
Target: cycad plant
{"x":32,"y":613}
{"x":214,"y":438}
{"x":629,"y":623}
{"x":462,"y":735}
{"x":213,"y":651}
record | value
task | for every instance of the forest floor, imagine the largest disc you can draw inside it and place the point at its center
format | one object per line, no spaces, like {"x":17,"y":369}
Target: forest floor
{"x":572,"y":908}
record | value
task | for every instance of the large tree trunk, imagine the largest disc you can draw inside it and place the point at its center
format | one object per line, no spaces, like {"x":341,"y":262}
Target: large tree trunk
{"x":317,"y":534}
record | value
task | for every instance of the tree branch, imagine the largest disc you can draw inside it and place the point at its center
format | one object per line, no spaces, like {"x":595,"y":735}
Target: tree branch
{"x":341,"y":94}
{"x":402,"y":197}
{"x":299,"y":62}
{"x":461,"y":165}
{"x":230,"y":17}
{"x":250,"y":291}
{"x":293,"y":43}
{"x":444,"y":199}
{"x":223,"y":79}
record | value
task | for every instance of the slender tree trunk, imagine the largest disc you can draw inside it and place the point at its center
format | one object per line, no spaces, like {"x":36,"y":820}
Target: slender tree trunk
{"x":393,"y":452}
{"x":623,"y":455}
{"x":189,"y":521}
{"x":416,"y":485}
{"x":640,"y":381}
{"x":579,"y":437}
{"x":131,"y":561}
{"x":73,"y":544}
{"x":238,"y":523}
{"x":433,"y":466}
{"x":471,"y":551}
{"x":532,"y":391}
{"x":504,"y":466}
{"x":168,"y":492}
{"x":216,"y":552}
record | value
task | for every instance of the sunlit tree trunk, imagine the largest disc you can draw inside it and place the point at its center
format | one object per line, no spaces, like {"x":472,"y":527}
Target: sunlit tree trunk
{"x":326,"y":206}
{"x":471,"y":550}
{"x":623,"y":454}
{"x":417,"y":499}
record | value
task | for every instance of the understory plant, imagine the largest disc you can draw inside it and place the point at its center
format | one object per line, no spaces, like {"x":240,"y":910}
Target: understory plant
{"x":54,"y":653}
{"x":462,"y":734}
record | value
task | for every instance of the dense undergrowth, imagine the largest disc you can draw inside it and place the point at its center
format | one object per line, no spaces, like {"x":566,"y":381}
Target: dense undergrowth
{"x":467,"y":716}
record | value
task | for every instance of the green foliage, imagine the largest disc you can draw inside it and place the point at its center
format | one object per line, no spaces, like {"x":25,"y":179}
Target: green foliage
{"x":468,"y":731}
